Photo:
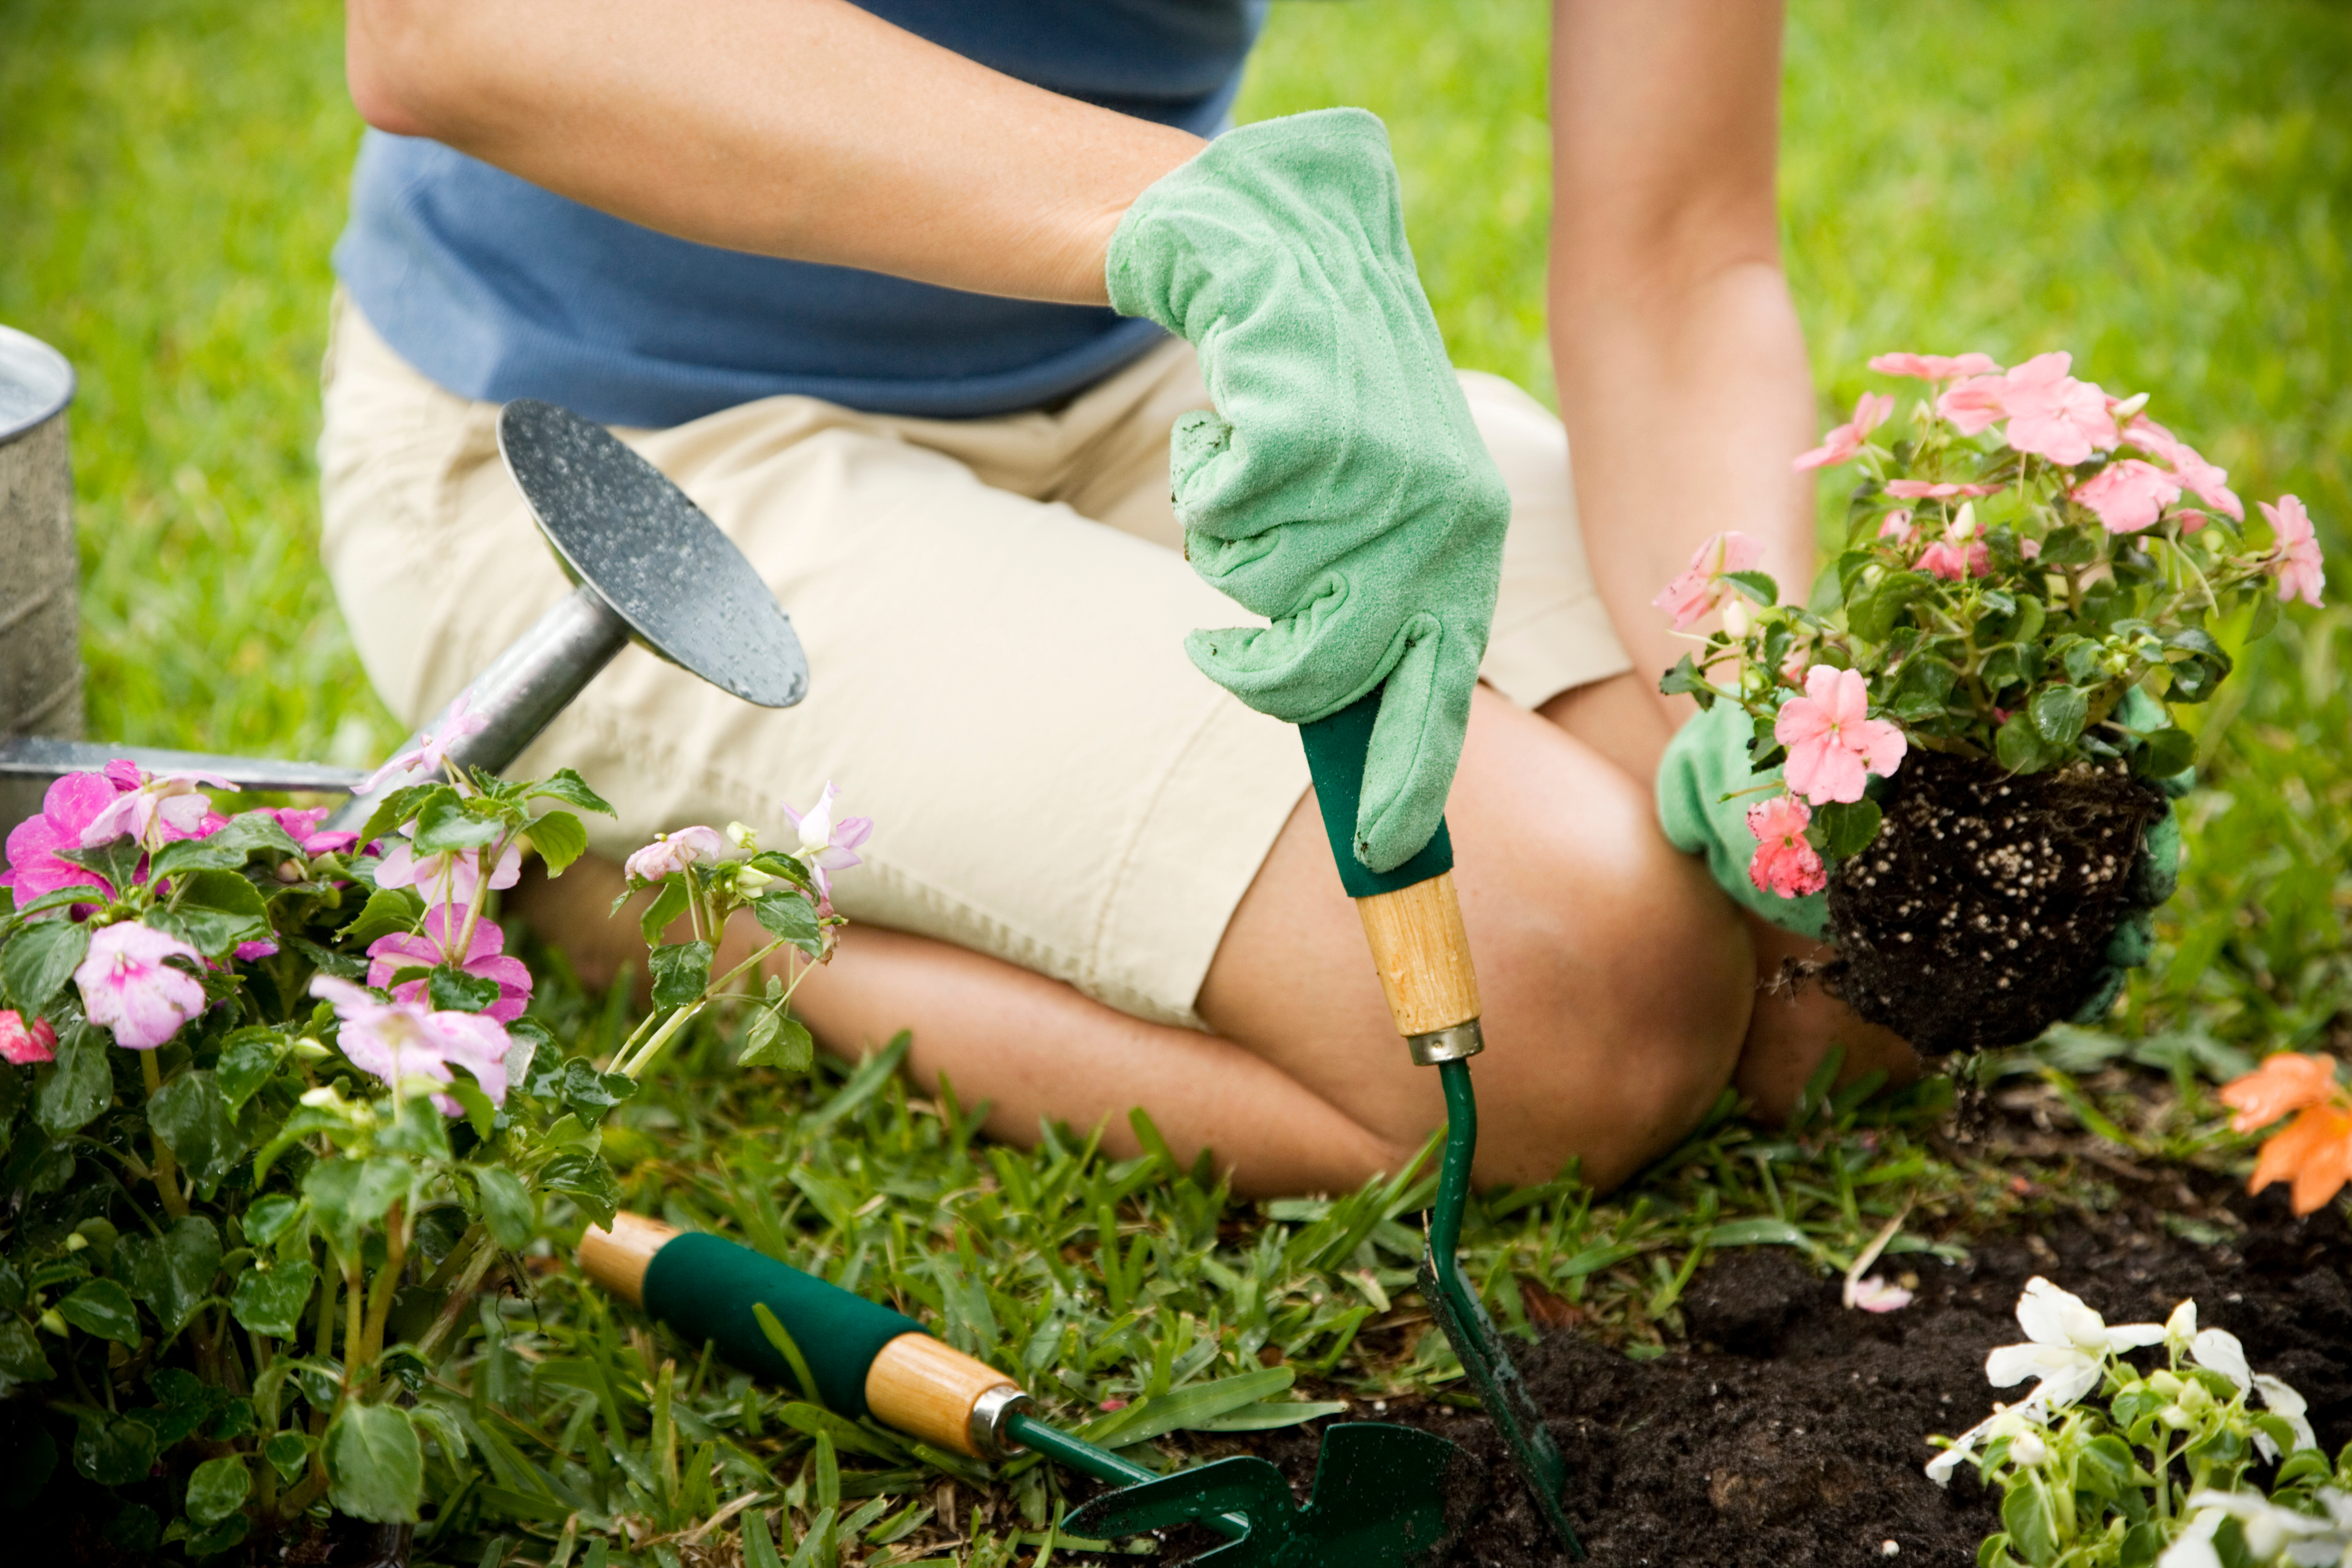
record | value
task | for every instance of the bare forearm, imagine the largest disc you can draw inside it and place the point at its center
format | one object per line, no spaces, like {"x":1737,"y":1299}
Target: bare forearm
{"x":805,"y":129}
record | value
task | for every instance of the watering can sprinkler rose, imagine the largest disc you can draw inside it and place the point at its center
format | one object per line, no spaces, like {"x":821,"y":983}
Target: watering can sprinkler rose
{"x":1962,"y":770}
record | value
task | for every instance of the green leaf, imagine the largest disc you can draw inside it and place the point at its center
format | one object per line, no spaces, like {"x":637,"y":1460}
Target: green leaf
{"x":792,"y":917}
{"x":103,"y":1307}
{"x":481,"y":1114}
{"x":21,"y":1359}
{"x":217,"y":1489}
{"x":680,"y":973}
{"x":778,"y":1041}
{"x":506,"y":1206}
{"x":2058,"y":712}
{"x":118,"y":862}
{"x":455,"y":991}
{"x":38,"y":960}
{"x":1872,"y":617}
{"x":1757,"y":585}
{"x":189,"y":1114}
{"x":2163,"y":753}
{"x":2032,"y":1533}
{"x":571,"y":790}
{"x":1923,"y":689}
{"x":270,"y":1217}
{"x":77,"y":1085}
{"x":787,"y":1347}
{"x":184,"y":1402}
{"x":215,"y":1539}
{"x":2069,"y":547}
{"x":399,"y":807}
{"x":586,"y":1090}
{"x":454,"y":821}
{"x":2020,"y":748}
{"x":225,"y":850}
{"x":112,"y":1451}
{"x":559,"y":840}
{"x":1761,"y":1231}
{"x":269,"y":1297}
{"x":348,"y":1196}
{"x":1847,"y":828}
{"x":171,"y":1273}
{"x":1270,"y":1415}
{"x":375,"y":1466}
{"x":388,"y":909}
{"x":667,"y":905}
{"x":288,"y":1454}
{"x":1684,"y":680}
{"x":583,"y":1176}
{"x":1187,"y":1407}
{"x":247,"y":1060}
{"x":214,"y":911}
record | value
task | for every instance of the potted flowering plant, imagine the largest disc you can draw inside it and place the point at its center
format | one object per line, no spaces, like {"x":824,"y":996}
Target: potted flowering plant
{"x":272,"y":1118}
{"x":1967,"y":742}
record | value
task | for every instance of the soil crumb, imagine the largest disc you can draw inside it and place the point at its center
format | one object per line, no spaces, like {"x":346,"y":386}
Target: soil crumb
{"x":1981,"y":914}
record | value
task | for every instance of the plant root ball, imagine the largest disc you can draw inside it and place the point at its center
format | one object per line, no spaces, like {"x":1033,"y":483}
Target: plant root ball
{"x":1981,"y":914}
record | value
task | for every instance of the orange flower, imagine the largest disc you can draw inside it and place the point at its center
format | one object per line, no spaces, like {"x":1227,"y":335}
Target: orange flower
{"x":2285,"y":1082}
{"x":2314,"y":1152}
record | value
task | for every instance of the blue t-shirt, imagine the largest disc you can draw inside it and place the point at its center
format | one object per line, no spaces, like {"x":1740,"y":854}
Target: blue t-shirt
{"x":497,"y":288}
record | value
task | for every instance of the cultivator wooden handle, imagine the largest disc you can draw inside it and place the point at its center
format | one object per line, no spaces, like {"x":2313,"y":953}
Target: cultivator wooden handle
{"x":864,"y":1359}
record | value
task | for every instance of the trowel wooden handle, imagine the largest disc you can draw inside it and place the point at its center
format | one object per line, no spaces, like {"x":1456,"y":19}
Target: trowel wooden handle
{"x":1423,"y":955}
{"x":862,"y":1357}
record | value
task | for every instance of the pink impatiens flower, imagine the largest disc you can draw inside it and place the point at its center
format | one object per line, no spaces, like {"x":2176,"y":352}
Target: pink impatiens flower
{"x":1842,"y":443}
{"x":1935,"y":367}
{"x":826,"y":844}
{"x":2053,"y":416}
{"x":434,"y":944}
{"x":2128,"y":496}
{"x":672,"y":852}
{"x":1920,"y":489}
{"x":27,"y":1044}
{"x":1895,"y":528}
{"x":2206,"y":482}
{"x":126,"y":986}
{"x":164,"y":807}
{"x":302,"y":826}
{"x":432,"y":749}
{"x":2297,"y":568}
{"x":1784,"y":863}
{"x":1832,"y":741}
{"x":449,"y":877}
{"x":1876,"y":1295}
{"x":71,"y":805}
{"x":1953,"y":558}
{"x":400,"y":1040}
{"x":1700,"y":588}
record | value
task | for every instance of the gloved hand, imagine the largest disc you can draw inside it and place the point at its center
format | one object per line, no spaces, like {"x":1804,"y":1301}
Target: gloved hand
{"x":1340,"y":488}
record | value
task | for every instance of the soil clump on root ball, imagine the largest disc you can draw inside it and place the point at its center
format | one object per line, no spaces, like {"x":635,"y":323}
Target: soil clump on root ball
{"x":1981,"y":913}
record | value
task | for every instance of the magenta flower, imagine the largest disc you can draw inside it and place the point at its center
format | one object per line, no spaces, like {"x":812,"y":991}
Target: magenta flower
{"x":431,"y":749}
{"x":2298,"y":567}
{"x":1920,"y":489}
{"x":1955,"y":559}
{"x":449,"y":877}
{"x":1832,"y":741}
{"x":2053,"y":416}
{"x":434,"y":945}
{"x":1784,"y":863}
{"x":672,"y":852}
{"x":2128,"y":496}
{"x":165,"y":806}
{"x":302,"y":826}
{"x":71,"y":805}
{"x":1840,"y":444}
{"x":1935,"y":367}
{"x":27,"y":1044}
{"x":401,"y":1040}
{"x":126,"y":986}
{"x":826,"y":844}
{"x":1700,"y":588}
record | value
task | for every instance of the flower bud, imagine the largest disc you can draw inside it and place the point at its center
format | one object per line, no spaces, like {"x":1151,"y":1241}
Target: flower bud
{"x":2122,"y":410}
{"x":291,"y":871}
{"x":740,"y":835}
{"x":2177,"y":1418}
{"x":76,"y":1242}
{"x":1964,"y":526}
{"x":2195,"y":1399}
{"x":1736,"y":621}
{"x":310,"y":1050}
{"x":2028,"y":1448}
{"x":52,"y":1322}
{"x":2168,"y":1384}
{"x":751,"y":881}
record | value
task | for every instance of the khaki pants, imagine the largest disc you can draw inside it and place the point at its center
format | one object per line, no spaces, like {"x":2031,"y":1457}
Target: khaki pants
{"x":993,"y":612}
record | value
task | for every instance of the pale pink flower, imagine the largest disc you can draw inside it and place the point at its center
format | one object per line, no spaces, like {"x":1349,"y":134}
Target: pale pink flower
{"x":449,"y":877}
{"x":2206,"y":482}
{"x":126,"y":986}
{"x":399,"y":1040}
{"x":1700,"y":588}
{"x":1842,"y":443}
{"x":2297,"y":567}
{"x":2030,"y":549}
{"x":1876,"y":1295}
{"x":1783,"y":862}
{"x":164,"y":807}
{"x":1935,"y":367}
{"x":27,"y":1044}
{"x":1955,"y":559}
{"x":1920,"y":489}
{"x":1897,"y":528}
{"x":2053,"y":416}
{"x":2128,"y":496}
{"x":1832,"y":741}
{"x":71,"y":805}
{"x":671,"y":852}
{"x":1974,"y":404}
{"x":433,"y":749}
{"x":433,"y":945}
{"x":827,"y":845}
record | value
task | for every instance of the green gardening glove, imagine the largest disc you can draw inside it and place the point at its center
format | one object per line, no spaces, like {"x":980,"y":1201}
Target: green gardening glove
{"x":1340,"y":488}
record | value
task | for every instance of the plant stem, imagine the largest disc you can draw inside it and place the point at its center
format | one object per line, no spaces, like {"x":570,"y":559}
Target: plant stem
{"x":460,"y":1293}
{"x":716,"y":986}
{"x":670,"y":1026}
{"x":166,"y":1169}
{"x":354,"y":1304}
{"x":397,"y":1231}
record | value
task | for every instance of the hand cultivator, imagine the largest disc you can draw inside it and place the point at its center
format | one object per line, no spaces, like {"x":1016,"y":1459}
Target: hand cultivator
{"x":1379,"y":1500}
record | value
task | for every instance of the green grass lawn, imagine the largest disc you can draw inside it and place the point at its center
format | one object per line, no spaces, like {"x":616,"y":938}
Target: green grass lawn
{"x":2165,"y":188}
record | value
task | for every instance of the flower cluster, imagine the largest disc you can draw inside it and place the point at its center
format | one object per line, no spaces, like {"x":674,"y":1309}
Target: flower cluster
{"x":2029,"y":554}
{"x":2314,"y":1151}
{"x":2162,"y":1474}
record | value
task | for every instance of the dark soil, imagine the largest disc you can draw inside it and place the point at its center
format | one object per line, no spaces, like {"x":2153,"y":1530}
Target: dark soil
{"x":1981,"y":913}
{"x":1792,"y":1430}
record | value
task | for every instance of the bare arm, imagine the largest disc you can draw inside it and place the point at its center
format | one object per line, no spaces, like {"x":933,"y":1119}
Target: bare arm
{"x":1681,"y":366}
{"x":797,"y":128}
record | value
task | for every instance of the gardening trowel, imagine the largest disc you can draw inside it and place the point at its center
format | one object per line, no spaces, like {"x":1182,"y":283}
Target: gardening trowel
{"x":1379,"y":1498}
{"x":650,"y":567}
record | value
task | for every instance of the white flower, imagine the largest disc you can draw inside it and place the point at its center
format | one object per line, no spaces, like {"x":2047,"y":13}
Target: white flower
{"x":2271,"y":1530}
{"x":672,"y":852}
{"x":2181,"y":1329}
{"x":2219,"y":1349}
{"x":2069,"y":1345}
{"x":1736,"y":621}
{"x":2011,"y":1420}
{"x":1964,"y":526}
{"x":2028,"y":1448}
